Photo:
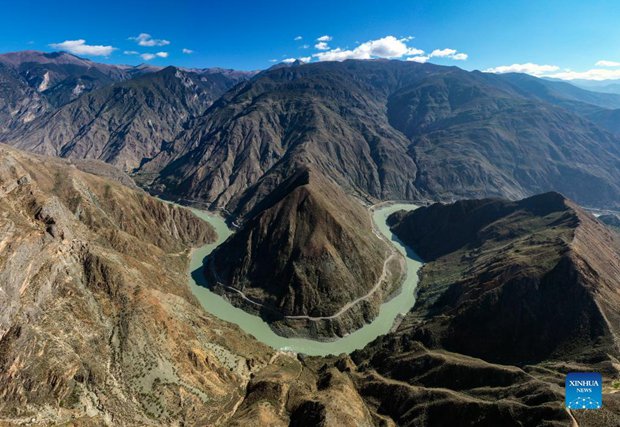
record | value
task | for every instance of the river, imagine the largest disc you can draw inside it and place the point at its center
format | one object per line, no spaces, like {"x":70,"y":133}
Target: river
{"x":255,"y":326}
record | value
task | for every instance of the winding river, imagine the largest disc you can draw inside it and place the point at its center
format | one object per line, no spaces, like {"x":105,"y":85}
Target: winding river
{"x":255,"y":326}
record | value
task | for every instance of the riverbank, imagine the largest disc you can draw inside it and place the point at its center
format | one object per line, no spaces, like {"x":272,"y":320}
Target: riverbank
{"x":389,"y":311}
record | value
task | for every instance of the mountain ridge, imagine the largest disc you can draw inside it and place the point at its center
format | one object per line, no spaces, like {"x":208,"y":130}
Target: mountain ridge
{"x":308,"y":261}
{"x":418,"y":148}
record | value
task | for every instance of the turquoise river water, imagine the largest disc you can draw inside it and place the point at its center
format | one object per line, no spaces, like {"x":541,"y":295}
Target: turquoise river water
{"x":254,"y":325}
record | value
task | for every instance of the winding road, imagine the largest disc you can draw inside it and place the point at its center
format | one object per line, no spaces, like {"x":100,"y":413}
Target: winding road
{"x":389,"y":311}
{"x":384,"y":273}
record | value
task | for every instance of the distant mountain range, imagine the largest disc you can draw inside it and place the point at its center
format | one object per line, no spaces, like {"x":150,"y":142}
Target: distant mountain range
{"x":602,"y":86}
{"x":34,"y":83}
{"x":381,"y":129}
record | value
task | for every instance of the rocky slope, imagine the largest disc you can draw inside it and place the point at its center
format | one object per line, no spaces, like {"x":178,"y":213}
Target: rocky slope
{"x":507,"y":258}
{"x":304,"y":257}
{"x":33,"y":83}
{"x":533,"y":284}
{"x":607,"y":119}
{"x":61,"y":77}
{"x":541,"y":251}
{"x":99,"y":327}
{"x":126,"y":122}
{"x":19,"y":103}
{"x":97,"y":324}
{"x":380,"y":129}
{"x":324,"y":114}
{"x":391,"y":130}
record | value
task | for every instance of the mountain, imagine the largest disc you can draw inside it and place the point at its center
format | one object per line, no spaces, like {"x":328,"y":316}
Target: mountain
{"x":325,"y":114}
{"x":381,"y":129}
{"x":603,"y":86}
{"x":19,"y":103}
{"x":125,"y":122}
{"x":308,"y":252}
{"x":99,"y":327}
{"x":611,"y":220}
{"x":512,"y":293}
{"x":389,"y":130}
{"x":542,"y":251}
{"x":33,"y":83}
{"x":601,"y":107}
{"x":61,"y":77}
{"x":377,"y":130}
{"x":607,"y":119}
{"x":560,"y":92}
{"x":473,"y":139}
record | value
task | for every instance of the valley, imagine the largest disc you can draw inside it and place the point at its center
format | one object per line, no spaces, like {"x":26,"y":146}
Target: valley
{"x":389,"y":311}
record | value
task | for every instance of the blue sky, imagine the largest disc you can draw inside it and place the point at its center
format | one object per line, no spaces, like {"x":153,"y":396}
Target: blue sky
{"x":569,"y":37}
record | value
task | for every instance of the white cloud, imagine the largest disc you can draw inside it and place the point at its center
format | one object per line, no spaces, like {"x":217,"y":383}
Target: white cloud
{"x":79,"y":47}
{"x":187,"y":51}
{"x":443,"y":53}
{"x":604,"y":63}
{"x":291,"y":60}
{"x":321,"y":46}
{"x":131,"y":52}
{"x":420,"y":59}
{"x":553,"y":71}
{"x":386,"y":47}
{"x":149,"y":56}
{"x":460,"y":57}
{"x":306,"y":46}
{"x":298,"y":38}
{"x":145,"y":39}
{"x":449,"y":53}
{"x":597,"y":74}
{"x":528,"y":68}
{"x":414,"y":51}
{"x":273,"y":60}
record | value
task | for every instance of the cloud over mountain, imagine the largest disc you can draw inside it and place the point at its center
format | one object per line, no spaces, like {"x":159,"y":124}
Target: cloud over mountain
{"x":79,"y":47}
{"x":528,"y":68}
